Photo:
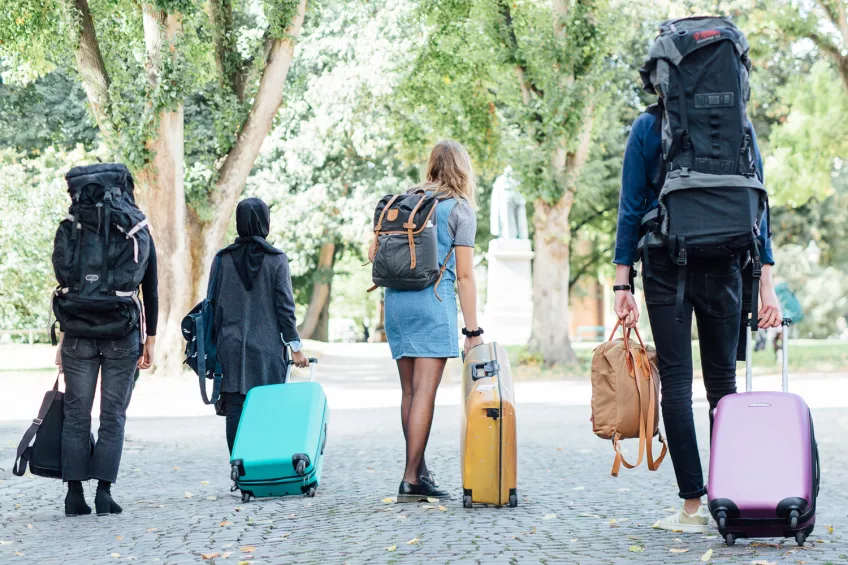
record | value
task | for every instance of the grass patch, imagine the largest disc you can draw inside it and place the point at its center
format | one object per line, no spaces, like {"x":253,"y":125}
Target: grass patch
{"x":804,"y":357}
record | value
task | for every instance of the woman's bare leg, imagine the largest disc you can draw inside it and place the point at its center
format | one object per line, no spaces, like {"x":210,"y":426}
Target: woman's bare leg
{"x":425,"y":382}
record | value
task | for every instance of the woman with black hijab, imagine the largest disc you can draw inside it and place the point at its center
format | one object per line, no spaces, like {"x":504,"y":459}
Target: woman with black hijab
{"x":254,"y":312}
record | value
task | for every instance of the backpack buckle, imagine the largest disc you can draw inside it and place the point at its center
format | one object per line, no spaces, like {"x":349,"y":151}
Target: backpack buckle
{"x":682,"y":260}
{"x":37,"y":421}
{"x":684,"y":171}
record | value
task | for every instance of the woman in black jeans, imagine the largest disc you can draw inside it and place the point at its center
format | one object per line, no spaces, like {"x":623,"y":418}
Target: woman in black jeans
{"x":713,"y":294}
{"x":254,"y":312}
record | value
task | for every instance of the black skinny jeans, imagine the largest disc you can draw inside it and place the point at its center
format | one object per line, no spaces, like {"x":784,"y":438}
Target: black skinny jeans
{"x":714,"y":294}
{"x":233,"y":404}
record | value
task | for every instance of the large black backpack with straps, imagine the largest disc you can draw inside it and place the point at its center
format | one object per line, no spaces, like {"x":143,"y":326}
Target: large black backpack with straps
{"x":712,"y":199}
{"x":100,"y":255}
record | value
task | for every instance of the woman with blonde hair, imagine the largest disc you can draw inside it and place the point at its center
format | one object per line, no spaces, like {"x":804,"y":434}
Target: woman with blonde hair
{"x":421,"y":325}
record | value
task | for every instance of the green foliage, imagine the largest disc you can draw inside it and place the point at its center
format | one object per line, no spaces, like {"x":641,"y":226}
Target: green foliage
{"x":280,"y":14}
{"x":33,"y":37}
{"x":33,"y":199}
{"x":49,"y":111}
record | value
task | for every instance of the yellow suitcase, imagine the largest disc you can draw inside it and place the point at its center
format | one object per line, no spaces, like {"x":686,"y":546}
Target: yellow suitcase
{"x":489,"y":451}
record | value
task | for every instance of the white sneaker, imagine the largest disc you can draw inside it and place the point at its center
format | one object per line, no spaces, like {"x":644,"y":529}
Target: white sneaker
{"x":682,"y":521}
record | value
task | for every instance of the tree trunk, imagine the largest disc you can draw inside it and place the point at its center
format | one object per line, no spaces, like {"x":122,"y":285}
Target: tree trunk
{"x":236,"y":168}
{"x":550,"y":283}
{"x":320,"y":299}
{"x":92,"y":70}
{"x":163,"y":198}
{"x":322,"y":332}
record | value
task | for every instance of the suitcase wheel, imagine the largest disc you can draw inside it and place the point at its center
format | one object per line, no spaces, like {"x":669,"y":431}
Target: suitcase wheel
{"x":730,"y":539}
{"x":310,"y":493}
{"x":513,"y":501}
{"x":234,"y":474}
{"x":245,"y":497}
{"x":800,"y":538}
{"x":466,"y":501}
{"x":793,"y":519}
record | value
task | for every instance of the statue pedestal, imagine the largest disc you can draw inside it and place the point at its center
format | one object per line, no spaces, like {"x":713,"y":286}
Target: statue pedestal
{"x":508,"y":314}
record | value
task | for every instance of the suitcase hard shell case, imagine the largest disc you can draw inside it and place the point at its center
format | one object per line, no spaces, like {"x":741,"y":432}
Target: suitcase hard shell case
{"x":488,"y":432}
{"x":280,"y":442}
{"x":764,"y":468}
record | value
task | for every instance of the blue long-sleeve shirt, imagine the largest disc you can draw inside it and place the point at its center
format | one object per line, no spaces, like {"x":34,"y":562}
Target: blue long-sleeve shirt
{"x":642,"y":158}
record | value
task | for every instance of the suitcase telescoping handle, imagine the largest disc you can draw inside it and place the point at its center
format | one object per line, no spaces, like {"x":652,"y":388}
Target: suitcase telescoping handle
{"x":290,"y":365}
{"x":749,"y":345}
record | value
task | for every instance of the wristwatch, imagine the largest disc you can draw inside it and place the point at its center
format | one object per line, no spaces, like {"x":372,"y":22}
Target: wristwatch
{"x":618,"y":287}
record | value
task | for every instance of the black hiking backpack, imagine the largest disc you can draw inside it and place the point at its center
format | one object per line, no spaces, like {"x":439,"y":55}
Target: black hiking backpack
{"x":100,"y":254}
{"x":712,"y":200}
{"x":405,"y":250}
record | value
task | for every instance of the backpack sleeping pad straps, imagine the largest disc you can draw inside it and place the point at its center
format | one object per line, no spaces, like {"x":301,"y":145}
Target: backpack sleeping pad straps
{"x":681,"y":276}
{"x":107,"y":220}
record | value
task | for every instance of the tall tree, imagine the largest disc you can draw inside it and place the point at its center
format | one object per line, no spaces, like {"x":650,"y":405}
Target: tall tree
{"x":518,"y":82}
{"x":140,"y":63}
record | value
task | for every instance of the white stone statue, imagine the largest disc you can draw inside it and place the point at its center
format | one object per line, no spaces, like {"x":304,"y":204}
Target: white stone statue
{"x":508,"y":209}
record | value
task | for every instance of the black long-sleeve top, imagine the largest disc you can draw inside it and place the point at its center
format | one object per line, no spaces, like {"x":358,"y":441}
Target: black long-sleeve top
{"x":150,"y":292}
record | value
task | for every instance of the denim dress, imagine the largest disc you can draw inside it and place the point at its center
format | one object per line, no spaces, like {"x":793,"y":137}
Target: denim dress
{"x":418,"y":324}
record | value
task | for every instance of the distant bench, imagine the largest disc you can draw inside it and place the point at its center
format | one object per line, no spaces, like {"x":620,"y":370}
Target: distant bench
{"x":594,"y":333}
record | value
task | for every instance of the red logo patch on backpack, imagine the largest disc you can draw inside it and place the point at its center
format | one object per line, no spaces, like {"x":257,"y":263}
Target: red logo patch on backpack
{"x":706,"y":35}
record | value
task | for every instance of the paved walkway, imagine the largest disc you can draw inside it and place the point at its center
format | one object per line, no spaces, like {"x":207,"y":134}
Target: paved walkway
{"x":175,"y":490}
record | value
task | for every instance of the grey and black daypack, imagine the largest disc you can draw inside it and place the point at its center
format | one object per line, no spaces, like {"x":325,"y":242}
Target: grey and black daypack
{"x":712,"y":200}
{"x":405,"y":250}
{"x":100,"y":254}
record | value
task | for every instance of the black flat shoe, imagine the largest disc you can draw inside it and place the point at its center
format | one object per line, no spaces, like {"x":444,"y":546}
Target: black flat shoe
{"x":418,"y":493}
{"x":430,"y":477}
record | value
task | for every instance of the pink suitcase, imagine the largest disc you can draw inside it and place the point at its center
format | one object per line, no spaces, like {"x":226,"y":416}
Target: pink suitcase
{"x":764,"y":465}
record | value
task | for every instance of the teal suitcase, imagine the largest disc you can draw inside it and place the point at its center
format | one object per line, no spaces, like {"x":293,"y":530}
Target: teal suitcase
{"x":279,"y":447}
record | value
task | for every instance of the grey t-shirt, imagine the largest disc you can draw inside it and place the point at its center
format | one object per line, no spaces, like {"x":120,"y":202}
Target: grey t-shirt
{"x":462,"y":224}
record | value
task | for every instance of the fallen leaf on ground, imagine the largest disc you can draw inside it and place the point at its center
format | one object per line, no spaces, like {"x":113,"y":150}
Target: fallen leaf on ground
{"x":245,"y":562}
{"x":388,"y":500}
{"x":291,"y":516}
{"x":176,"y":468}
{"x":6,"y":542}
{"x":613,"y":523}
{"x":670,"y":510}
{"x":633,"y":538}
{"x":763,"y":562}
{"x":29,"y":526}
{"x":678,"y":540}
{"x":573,"y":540}
{"x":428,"y":507}
{"x":392,"y":548}
{"x":531,"y":532}
{"x":204,"y":482}
{"x":238,"y":509}
{"x":432,"y":500}
{"x":248,"y":549}
{"x":401,"y":517}
{"x":442,"y":509}
{"x":119,"y":538}
{"x":224,"y":524}
{"x":637,"y":548}
{"x":830,"y":529}
{"x":707,"y":556}
{"x":19,"y":554}
{"x":624,"y":490}
{"x":226,"y":555}
{"x":678,"y":550}
{"x":549,"y":517}
{"x":151,"y":530}
{"x":187,"y":494}
{"x":211,"y":498}
{"x":413,"y":541}
{"x":116,"y":555}
{"x":17,"y":506}
{"x":208,"y":556}
{"x":559,"y":449}
{"x":578,"y":488}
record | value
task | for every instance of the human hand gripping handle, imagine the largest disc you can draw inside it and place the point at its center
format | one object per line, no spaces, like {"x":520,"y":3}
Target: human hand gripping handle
{"x":626,"y":307}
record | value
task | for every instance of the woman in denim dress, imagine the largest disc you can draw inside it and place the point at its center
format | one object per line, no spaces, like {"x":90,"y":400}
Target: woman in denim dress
{"x":421,"y":329}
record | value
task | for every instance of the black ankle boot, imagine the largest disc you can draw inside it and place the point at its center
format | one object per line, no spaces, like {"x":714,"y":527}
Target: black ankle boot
{"x":75,"y":500}
{"x":103,"y":503}
{"x":409,"y":492}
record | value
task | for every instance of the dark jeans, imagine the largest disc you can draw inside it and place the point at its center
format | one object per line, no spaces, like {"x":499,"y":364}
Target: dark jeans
{"x":714,"y":294}
{"x":233,"y":404}
{"x":82,"y":360}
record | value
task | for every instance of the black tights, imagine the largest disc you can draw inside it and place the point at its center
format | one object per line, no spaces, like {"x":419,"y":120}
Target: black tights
{"x":233,"y":403}
{"x":419,"y":381}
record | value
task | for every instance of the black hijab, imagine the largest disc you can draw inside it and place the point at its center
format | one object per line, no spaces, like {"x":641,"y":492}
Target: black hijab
{"x":253,"y":221}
